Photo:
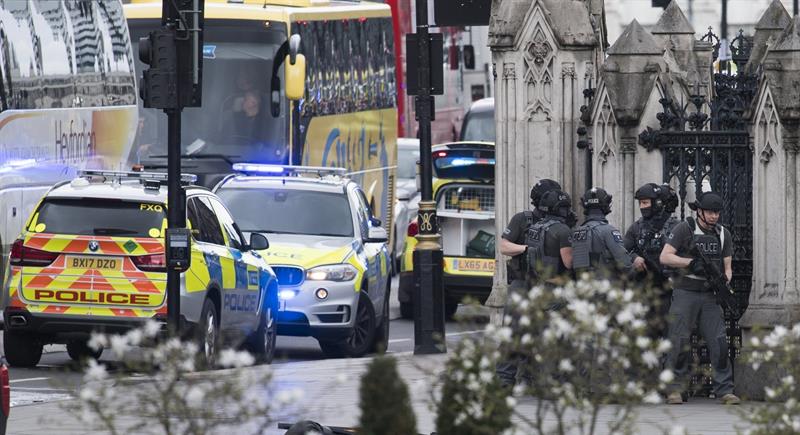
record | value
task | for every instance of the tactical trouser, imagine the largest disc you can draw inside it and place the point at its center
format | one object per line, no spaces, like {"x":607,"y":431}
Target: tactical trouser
{"x":507,"y":367}
{"x":687,"y":309}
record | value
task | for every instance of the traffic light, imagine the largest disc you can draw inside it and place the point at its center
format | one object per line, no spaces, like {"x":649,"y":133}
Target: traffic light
{"x":158,"y":87}
{"x":174,"y":54}
{"x":660,"y":3}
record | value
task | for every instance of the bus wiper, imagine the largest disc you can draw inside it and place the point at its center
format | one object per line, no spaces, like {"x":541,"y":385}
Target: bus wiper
{"x":112,"y":231}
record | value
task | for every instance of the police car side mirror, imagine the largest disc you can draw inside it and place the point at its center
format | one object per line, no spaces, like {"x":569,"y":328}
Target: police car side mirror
{"x":258,"y":242}
{"x":375,"y":222}
{"x":377,"y":235}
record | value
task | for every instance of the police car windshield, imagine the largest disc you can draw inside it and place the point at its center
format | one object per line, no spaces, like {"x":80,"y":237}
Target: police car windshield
{"x":99,"y":217}
{"x":290,"y":211}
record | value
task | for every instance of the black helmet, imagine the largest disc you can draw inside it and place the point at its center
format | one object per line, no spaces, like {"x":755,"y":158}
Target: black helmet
{"x":540,"y":188}
{"x":555,"y":202}
{"x":598,"y":198}
{"x":651,"y":191}
{"x":669,"y":198}
{"x":707,"y":201}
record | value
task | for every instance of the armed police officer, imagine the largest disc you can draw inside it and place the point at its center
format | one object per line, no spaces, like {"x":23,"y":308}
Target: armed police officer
{"x":512,"y":243}
{"x":691,"y":248}
{"x":597,"y":246}
{"x":547,"y":255}
{"x":645,"y":239}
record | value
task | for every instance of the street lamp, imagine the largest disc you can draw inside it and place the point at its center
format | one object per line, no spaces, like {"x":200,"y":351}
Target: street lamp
{"x":429,"y":294}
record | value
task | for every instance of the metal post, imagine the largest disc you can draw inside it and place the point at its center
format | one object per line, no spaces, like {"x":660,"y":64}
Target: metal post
{"x":723,"y":39}
{"x":795,"y":7}
{"x":176,"y":212}
{"x":429,"y":295}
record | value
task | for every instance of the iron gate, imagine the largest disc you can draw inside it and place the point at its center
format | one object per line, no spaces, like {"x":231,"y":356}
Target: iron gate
{"x":702,"y":152}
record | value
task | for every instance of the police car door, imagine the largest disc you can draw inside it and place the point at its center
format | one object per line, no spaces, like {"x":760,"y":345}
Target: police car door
{"x":244,"y":298}
{"x":218,"y":259}
{"x":375,"y":254}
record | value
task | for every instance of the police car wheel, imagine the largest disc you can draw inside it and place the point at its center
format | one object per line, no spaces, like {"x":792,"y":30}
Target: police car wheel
{"x":79,"y":350}
{"x":21,"y":350}
{"x":264,"y":341}
{"x":208,"y":335}
{"x":362,"y":336}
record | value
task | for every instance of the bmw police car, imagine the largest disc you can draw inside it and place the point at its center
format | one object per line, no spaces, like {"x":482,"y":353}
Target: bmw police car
{"x":326,"y":248}
{"x":91,"y":258}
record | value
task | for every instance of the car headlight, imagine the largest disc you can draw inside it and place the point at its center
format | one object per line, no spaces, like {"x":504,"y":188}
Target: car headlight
{"x":334,"y":272}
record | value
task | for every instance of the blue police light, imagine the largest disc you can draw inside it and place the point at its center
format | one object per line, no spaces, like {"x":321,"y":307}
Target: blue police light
{"x":256,"y":168}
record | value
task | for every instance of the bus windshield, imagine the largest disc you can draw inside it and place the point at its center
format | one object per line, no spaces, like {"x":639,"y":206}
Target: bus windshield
{"x":236,"y":119}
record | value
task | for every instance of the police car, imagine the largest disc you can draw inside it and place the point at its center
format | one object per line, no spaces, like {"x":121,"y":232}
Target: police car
{"x":329,"y":253}
{"x":92,"y":258}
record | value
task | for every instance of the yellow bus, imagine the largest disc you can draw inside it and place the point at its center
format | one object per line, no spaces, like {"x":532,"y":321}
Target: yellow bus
{"x":344,"y":116}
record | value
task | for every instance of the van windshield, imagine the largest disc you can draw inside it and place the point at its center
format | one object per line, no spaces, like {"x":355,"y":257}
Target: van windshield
{"x":479,"y":126}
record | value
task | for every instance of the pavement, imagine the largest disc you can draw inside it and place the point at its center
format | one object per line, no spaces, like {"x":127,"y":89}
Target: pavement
{"x":331,"y":397}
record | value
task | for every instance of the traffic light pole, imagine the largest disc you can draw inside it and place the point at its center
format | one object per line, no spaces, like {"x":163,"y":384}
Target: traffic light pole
{"x":176,"y":212}
{"x":429,"y":335}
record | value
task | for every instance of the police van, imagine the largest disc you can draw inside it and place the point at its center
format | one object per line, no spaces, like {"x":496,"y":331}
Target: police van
{"x":328,"y":250}
{"x":92,"y":258}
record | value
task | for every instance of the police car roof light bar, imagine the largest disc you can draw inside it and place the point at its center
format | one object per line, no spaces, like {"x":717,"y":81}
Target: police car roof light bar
{"x":143,"y":176}
{"x":278,"y":170}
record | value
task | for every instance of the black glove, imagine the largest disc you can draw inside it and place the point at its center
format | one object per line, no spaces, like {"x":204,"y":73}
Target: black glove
{"x":571,"y":220}
{"x":696,"y":267}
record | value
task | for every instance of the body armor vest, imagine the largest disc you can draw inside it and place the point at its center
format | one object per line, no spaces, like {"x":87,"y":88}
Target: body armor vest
{"x":540,"y":265}
{"x":589,"y":252}
{"x":710,"y":245}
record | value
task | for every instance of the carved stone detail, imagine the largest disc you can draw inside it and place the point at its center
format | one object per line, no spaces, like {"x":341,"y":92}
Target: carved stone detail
{"x":509,"y":71}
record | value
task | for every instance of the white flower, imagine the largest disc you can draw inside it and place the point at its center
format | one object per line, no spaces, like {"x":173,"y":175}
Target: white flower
{"x":511,"y":402}
{"x":88,"y":394}
{"x":95,"y":371}
{"x":788,"y":380}
{"x":524,"y":321}
{"x":652,"y":398}
{"x":235,"y":359}
{"x":135,"y":337}
{"x":650,"y":358}
{"x":664,"y":346}
{"x":504,"y":334}
{"x":642,"y":342}
{"x":770,"y":392}
{"x":625,"y":316}
{"x":518,"y":390}
{"x":119,"y":345}
{"x":565,"y":365}
{"x":98,"y":341}
{"x":526,"y":339}
{"x":755,"y":342}
{"x":666,"y":376}
{"x":600,"y":323}
{"x":151,"y":328}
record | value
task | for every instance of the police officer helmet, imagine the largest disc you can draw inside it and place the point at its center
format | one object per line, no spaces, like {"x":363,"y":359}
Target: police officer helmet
{"x":596,"y":198}
{"x":707,"y":201}
{"x":555,"y":202}
{"x":651,"y":191}
{"x":669,"y":198}
{"x":540,"y":188}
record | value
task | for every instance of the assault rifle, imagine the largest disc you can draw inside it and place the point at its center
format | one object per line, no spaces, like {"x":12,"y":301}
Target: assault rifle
{"x":718,"y":283}
{"x":653,"y":266}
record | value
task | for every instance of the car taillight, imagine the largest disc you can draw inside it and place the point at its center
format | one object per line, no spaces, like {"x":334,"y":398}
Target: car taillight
{"x":151,"y":263}
{"x":22,"y":255}
{"x":5,"y":390}
{"x":413,"y":229}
